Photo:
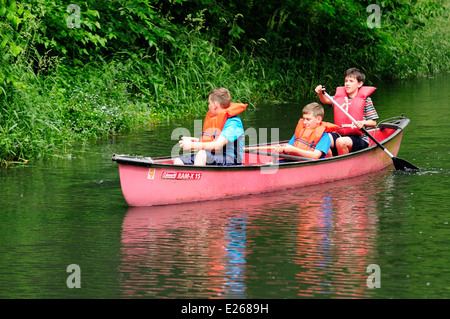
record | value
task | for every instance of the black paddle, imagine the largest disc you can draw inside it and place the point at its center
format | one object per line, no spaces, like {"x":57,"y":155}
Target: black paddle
{"x":399,"y":164}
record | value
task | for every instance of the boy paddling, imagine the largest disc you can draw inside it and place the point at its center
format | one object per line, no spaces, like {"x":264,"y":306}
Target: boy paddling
{"x":355,"y":99}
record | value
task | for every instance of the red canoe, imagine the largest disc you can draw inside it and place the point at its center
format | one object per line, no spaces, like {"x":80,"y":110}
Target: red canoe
{"x":147,"y":182}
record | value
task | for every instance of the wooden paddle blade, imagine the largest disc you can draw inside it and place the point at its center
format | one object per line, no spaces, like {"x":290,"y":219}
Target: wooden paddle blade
{"x":401,"y":164}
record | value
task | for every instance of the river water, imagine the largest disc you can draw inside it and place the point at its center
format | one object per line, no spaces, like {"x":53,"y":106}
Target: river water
{"x":383,"y":235}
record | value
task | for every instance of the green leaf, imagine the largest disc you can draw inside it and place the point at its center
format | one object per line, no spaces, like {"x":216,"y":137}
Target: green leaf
{"x":4,"y":42}
{"x":15,"y":49}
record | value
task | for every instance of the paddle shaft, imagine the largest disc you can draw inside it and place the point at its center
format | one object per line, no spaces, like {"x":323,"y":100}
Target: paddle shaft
{"x":354,"y":122}
{"x":257,"y":148}
{"x":291,"y":157}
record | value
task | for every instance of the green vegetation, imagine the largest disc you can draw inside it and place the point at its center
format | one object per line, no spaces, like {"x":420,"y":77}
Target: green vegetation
{"x":71,"y":73}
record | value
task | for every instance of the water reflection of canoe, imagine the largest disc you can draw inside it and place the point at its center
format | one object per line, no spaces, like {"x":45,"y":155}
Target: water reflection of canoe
{"x":147,"y":182}
{"x":313,"y":241}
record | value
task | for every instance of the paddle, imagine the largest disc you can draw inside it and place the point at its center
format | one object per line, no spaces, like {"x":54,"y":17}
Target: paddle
{"x":399,"y":164}
{"x":256,"y":150}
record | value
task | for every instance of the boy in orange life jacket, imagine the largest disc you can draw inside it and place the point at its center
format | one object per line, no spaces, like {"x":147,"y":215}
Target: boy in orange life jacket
{"x":222,"y":140}
{"x":355,"y":99}
{"x":311,"y":138}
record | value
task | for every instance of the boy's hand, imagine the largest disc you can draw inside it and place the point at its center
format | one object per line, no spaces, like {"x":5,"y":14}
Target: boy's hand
{"x":185,"y":144}
{"x":360,"y":124}
{"x":286,"y":148}
{"x":368,"y":123}
{"x":189,"y":138}
{"x":188,"y":143}
{"x":318,"y":89}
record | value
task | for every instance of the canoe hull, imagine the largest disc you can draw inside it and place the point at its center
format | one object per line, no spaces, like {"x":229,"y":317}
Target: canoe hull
{"x":147,"y":184}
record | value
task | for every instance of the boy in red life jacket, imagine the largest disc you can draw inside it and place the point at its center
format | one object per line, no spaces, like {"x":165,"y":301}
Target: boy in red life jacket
{"x":311,"y":138}
{"x":222,"y":140}
{"x":354,"y":97}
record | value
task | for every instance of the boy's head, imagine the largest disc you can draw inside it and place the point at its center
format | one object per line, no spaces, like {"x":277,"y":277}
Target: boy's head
{"x":312,"y":115}
{"x":355,"y":73}
{"x":354,"y":79}
{"x":220,"y":96}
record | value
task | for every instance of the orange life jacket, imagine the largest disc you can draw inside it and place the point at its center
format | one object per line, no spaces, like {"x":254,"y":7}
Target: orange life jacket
{"x":307,"y":138}
{"x":213,"y":125}
{"x":354,"y":107}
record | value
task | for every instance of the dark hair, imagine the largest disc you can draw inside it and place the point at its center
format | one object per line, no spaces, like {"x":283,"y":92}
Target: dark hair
{"x":358,"y":74}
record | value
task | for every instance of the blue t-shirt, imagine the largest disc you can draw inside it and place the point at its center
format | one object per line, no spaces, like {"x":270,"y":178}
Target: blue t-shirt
{"x":323,"y":145}
{"x":233,"y":131}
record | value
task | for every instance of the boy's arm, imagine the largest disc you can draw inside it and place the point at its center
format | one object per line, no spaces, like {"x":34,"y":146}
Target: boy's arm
{"x":322,"y":148}
{"x":292,"y":150}
{"x":370,"y":115}
{"x":322,"y":97}
{"x":367,"y":123}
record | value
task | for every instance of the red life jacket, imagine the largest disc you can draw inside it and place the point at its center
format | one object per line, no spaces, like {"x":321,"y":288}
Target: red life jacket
{"x":307,"y":138}
{"x":354,"y":107}
{"x":213,"y":125}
